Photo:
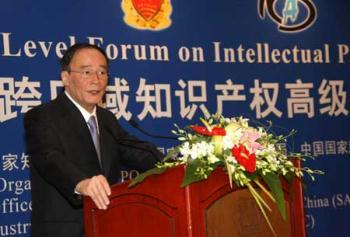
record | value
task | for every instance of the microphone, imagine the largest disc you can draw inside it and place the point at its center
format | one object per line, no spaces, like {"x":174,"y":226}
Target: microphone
{"x":134,"y":124}
{"x":133,"y":143}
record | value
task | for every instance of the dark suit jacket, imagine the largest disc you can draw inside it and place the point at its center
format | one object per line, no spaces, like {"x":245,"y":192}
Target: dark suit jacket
{"x":62,"y":153}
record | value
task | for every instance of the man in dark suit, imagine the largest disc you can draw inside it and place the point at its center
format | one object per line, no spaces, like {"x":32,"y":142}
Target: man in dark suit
{"x":76,"y":147}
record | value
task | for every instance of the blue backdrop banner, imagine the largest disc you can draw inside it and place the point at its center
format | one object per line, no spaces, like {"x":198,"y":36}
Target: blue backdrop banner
{"x":285,"y":61}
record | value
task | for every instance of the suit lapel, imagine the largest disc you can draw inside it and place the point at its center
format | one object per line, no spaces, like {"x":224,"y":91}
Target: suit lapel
{"x":104,"y":141}
{"x":75,"y":121}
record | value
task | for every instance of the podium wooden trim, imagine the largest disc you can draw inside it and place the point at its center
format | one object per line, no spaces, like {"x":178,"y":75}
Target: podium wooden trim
{"x":160,"y":207}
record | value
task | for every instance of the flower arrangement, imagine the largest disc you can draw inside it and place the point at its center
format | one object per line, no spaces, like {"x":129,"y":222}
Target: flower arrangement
{"x":250,"y":155}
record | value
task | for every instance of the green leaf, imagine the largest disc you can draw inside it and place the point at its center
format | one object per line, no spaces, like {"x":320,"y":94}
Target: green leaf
{"x":250,"y":175}
{"x":172,"y":153}
{"x":191,"y":174}
{"x":289,"y":177}
{"x":138,"y":179}
{"x":274,"y":183}
{"x":261,"y":203}
{"x":262,"y":187}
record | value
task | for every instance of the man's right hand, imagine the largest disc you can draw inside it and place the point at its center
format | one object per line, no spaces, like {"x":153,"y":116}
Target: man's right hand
{"x":97,"y":188}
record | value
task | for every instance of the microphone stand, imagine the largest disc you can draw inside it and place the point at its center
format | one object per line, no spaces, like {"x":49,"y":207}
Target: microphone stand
{"x":134,"y":124}
{"x":133,"y":143}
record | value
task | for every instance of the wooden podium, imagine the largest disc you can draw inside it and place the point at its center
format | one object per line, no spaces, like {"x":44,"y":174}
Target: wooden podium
{"x":159,"y":207}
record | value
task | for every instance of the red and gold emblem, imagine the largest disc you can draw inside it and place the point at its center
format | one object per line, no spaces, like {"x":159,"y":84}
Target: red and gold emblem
{"x":147,"y":14}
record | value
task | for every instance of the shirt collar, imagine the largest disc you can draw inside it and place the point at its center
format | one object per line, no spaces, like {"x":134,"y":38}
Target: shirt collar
{"x":83,"y":111}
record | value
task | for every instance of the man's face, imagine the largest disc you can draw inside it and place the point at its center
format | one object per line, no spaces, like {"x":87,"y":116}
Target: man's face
{"x":86,"y":89}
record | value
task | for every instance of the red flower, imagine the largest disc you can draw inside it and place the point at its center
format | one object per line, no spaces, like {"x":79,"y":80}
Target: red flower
{"x":216,"y":131}
{"x":248,"y":161}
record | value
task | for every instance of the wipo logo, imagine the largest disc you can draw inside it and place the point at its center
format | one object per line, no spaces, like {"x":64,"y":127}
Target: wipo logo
{"x":290,"y":17}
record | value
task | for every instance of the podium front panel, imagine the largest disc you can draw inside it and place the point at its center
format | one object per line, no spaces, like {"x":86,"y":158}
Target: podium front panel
{"x":160,"y":207}
{"x":135,"y":213}
{"x":236,"y":214}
